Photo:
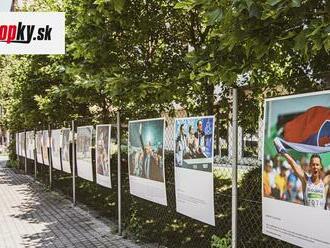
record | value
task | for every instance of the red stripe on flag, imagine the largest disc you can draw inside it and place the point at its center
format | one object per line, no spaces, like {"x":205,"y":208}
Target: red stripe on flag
{"x":303,"y":126}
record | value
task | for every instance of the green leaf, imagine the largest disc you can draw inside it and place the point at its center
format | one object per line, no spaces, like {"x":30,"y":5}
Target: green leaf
{"x":315,"y":31}
{"x":300,"y":41}
{"x":273,"y":2}
{"x":268,"y":14}
{"x":118,"y":5}
{"x":185,"y":5}
{"x":296,"y":3}
{"x":288,"y":36}
{"x":214,"y":16}
{"x":327,"y":44}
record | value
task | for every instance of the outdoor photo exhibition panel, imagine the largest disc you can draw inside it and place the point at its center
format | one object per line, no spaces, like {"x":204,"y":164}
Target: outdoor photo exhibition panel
{"x":22,"y":144}
{"x":30,"y":144}
{"x":55,"y":147}
{"x":296,"y":169}
{"x":102,"y":155}
{"x":45,"y":145}
{"x":65,"y":140}
{"x":84,"y":153}
{"x":146,"y":159}
{"x":193,"y":161}
{"x":17,"y":143}
{"x":39,"y":140}
{"x":27,"y":141}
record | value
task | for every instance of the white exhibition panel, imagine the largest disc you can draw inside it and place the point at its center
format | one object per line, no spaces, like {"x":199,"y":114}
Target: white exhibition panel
{"x":146,"y":163}
{"x":65,"y":144}
{"x":55,"y":148}
{"x":193,"y":167}
{"x":84,"y":154}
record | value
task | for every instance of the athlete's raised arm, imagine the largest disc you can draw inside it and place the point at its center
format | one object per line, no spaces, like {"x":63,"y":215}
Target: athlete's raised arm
{"x":296,"y":168}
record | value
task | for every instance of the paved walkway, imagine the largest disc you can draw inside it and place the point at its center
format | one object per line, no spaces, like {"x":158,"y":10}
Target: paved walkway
{"x":32,"y":217}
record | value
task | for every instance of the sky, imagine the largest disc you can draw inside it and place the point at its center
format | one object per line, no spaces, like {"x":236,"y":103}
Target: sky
{"x":5,"y":5}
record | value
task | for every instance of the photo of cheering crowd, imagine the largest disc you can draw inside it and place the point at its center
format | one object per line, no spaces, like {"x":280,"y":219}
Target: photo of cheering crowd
{"x":146,"y":157}
{"x":297,"y":151}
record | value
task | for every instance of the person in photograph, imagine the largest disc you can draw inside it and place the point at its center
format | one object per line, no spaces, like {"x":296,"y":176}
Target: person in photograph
{"x":148,"y":160}
{"x":138,"y":162}
{"x":266,"y":175}
{"x":314,"y":185}
{"x":191,"y":142}
{"x":151,"y":164}
{"x":65,"y":147}
{"x":281,"y":181}
{"x":181,"y":146}
{"x":102,"y":156}
{"x":294,"y":188}
{"x":200,"y":140}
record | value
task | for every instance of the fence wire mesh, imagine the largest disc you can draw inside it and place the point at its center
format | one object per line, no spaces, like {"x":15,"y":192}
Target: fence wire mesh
{"x":148,"y":222}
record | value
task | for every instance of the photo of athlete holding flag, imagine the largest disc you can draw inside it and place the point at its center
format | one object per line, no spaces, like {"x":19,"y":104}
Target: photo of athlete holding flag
{"x":315,"y":187}
{"x":300,"y":135}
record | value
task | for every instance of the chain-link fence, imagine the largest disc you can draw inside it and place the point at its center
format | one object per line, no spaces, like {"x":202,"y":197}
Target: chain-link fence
{"x":148,"y":222}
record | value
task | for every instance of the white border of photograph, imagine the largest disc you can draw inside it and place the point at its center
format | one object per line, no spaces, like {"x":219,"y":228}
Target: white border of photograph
{"x":146,"y":188}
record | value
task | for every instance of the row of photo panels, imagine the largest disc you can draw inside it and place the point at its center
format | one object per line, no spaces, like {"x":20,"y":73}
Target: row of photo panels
{"x":193,"y":159}
{"x":58,"y":142}
{"x":295,"y":164}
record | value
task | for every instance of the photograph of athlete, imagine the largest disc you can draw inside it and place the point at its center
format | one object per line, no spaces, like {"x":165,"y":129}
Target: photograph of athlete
{"x":315,"y":185}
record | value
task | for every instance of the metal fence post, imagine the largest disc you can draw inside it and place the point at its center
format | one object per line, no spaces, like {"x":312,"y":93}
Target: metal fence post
{"x":25,"y":159}
{"x":119,"y":174}
{"x":73,"y":165}
{"x":234,"y":172}
{"x":35,"y":155}
{"x":50,"y":157}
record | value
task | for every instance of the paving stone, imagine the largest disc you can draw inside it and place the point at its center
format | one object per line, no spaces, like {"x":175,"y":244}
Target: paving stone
{"x":30,"y":216}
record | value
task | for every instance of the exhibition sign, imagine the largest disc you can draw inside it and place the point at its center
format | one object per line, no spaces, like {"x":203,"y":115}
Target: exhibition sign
{"x":39,"y":140}
{"x":103,"y":155}
{"x":193,"y":161}
{"x":296,"y":169}
{"x":55,"y":148}
{"x":45,"y":145}
{"x":146,"y":159}
{"x":84,"y":153}
{"x":65,"y":145}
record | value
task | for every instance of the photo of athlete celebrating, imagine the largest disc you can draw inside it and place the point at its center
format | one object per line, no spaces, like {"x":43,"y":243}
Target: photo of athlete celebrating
{"x":315,"y":185}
